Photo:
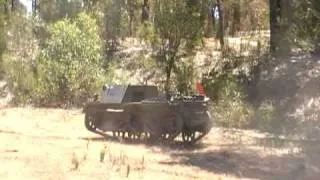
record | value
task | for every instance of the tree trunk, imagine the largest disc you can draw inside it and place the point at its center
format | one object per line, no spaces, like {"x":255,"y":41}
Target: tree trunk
{"x":315,"y":21}
{"x":280,"y":13}
{"x":145,"y":11}
{"x":167,"y":84}
{"x":116,"y":16}
{"x":209,"y":21}
{"x":34,"y":6}
{"x":168,"y":75}
{"x":5,"y":6}
{"x":285,"y":24}
{"x":274,"y":6}
{"x":112,"y":26}
{"x":235,"y":26}
{"x":12,"y":5}
{"x":204,"y":13}
{"x":131,"y":6}
{"x":221,"y":28}
{"x":130,"y":27}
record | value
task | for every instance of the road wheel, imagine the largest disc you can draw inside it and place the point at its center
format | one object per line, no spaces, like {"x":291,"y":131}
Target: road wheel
{"x":90,"y":122}
{"x":175,"y":129}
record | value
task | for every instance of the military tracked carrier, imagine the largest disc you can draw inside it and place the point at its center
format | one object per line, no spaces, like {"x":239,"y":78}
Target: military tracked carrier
{"x":139,"y":112}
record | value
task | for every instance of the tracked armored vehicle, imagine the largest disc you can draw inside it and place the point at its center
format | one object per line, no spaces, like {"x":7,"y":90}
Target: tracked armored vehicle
{"x":139,"y":112}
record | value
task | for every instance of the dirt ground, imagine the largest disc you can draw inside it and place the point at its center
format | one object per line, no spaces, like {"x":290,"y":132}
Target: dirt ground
{"x":54,"y":144}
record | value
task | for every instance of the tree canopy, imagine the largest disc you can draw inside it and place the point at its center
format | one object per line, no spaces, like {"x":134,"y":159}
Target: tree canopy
{"x":74,"y":43}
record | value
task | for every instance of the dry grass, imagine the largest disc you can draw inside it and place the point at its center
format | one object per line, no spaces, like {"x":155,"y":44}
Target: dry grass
{"x":53,"y":144}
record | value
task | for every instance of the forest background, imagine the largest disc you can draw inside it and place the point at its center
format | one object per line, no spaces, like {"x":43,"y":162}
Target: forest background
{"x":257,"y":59}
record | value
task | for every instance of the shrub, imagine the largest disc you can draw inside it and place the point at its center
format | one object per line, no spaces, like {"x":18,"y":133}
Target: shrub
{"x":19,"y":59}
{"x":146,"y":32}
{"x":65,"y":70}
{"x":264,"y":117}
{"x":185,"y":77}
{"x":229,"y":108}
{"x":70,"y":64}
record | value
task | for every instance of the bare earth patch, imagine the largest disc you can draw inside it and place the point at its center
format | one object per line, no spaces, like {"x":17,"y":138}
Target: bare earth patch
{"x":54,"y":144}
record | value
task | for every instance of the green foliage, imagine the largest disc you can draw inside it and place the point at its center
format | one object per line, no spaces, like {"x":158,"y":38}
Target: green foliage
{"x":173,"y":35}
{"x":306,"y":24}
{"x":265,"y":117}
{"x":21,"y":79}
{"x":185,"y":77}
{"x":112,"y":18}
{"x":146,"y":32}
{"x":2,"y":47}
{"x":2,"y":33}
{"x":143,"y":62}
{"x":224,"y":86}
{"x":176,"y":31}
{"x":221,"y":82}
{"x":19,"y":59}
{"x":54,"y":10}
{"x":69,"y":67}
{"x":178,"y":24}
{"x":231,"y":114}
{"x":229,"y":109}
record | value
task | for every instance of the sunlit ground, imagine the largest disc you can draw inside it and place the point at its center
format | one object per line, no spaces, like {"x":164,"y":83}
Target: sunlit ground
{"x":54,"y":144}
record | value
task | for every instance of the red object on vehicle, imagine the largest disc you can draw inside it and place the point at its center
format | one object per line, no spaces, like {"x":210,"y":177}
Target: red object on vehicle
{"x":200,"y":89}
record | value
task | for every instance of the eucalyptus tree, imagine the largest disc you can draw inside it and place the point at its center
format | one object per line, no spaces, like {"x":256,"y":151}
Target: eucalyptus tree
{"x":176,"y":31}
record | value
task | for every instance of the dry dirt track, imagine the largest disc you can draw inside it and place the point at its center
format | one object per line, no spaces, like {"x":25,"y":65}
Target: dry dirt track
{"x":50,"y":143}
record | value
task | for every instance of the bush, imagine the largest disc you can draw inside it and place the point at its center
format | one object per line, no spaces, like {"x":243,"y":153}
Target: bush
{"x":2,"y":42}
{"x":185,"y":77}
{"x":70,"y":65}
{"x":146,"y":32}
{"x":21,"y":80}
{"x":229,"y":108}
{"x":265,"y":116}
{"x":67,"y":69}
{"x":19,"y":59}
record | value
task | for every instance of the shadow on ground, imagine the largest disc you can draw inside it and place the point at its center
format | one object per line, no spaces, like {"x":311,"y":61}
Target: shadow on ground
{"x":246,"y":164}
{"x":292,"y":85}
{"x":164,"y":146}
